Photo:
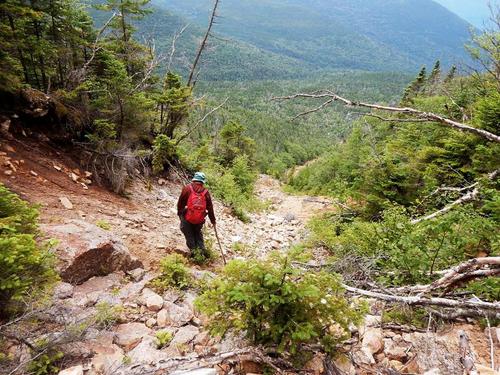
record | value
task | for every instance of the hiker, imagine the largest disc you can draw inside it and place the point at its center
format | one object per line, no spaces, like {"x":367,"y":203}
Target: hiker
{"x":193,"y":206}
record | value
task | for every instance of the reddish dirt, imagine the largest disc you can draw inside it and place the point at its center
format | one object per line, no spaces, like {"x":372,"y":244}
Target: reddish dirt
{"x":38,"y":181}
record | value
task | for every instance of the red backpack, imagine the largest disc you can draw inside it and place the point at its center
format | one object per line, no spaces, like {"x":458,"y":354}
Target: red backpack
{"x":196,"y":206}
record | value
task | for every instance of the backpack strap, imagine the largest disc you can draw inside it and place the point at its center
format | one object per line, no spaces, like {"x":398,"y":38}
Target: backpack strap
{"x":202,"y":193}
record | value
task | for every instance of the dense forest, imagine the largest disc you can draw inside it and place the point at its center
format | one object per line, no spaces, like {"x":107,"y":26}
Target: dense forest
{"x":406,"y":159}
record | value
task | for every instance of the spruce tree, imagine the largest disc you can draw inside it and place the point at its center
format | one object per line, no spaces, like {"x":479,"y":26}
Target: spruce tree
{"x":451,"y":75}
{"x":415,"y":88}
{"x":434,"y":78}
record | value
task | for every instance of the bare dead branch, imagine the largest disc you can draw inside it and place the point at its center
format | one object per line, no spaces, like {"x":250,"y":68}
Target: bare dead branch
{"x":385,"y":119}
{"x":454,"y":189}
{"x":425,"y":301}
{"x":199,"y":122}
{"x":203,"y":44}
{"x":172,"y":48}
{"x":197,"y":361}
{"x":466,"y":271}
{"x":466,"y":355}
{"x":417,"y":114}
{"x":95,"y":46}
{"x":470,"y":196}
{"x":317,"y":109}
{"x":492,"y":345}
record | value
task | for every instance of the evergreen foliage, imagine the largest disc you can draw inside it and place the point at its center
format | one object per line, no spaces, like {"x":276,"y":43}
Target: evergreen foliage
{"x":277,"y":304}
{"x":42,"y":42}
{"x":26,"y":266}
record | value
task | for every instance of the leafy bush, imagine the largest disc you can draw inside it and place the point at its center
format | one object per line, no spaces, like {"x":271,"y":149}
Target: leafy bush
{"x":406,"y":315}
{"x":106,"y":315}
{"x":163,"y":338}
{"x":46,"y":359}
{"x":46,"y":364}
{"x":278,"y":304}
{"x":164,"y":149}
{"x":234,"y":190}
{"x":409,"y":253}
{"x":174,"y":273}
{"x":26,"y":267}
{"x":202,"y":257}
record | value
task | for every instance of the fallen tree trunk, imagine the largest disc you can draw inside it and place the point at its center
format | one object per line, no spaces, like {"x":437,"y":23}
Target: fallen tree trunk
{"x":415,"y":114}
{"x":467,"y":271}
{"x":187,"y":363}
{"x":426,"y":301}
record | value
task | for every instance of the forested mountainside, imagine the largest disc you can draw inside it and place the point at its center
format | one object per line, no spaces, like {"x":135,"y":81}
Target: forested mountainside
{"x":355,"y":223}
{"x":228,"y":59}
{"x":282,"y":141}
{"x":362,"y":34}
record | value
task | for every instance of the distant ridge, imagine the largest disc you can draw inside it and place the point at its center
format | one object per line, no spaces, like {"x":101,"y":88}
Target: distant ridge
{"x":373,"y":35}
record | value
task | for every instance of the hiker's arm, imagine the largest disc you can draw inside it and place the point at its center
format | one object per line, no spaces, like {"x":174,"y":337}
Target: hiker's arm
{"x":182,"y":202}
{"x":210,"y":209}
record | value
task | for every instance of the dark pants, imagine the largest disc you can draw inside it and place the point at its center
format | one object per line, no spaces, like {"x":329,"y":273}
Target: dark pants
{"x":193,"y":234}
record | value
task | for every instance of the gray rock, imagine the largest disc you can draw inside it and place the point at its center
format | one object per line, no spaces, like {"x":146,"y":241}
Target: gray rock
{"x":137,"y":274}
{"x":86,"y":250}
{"x":66,"y":203}
{"x":129,"y":335}
{"x":200,"y":371}
{"x":154,"y":302}
{"x":63,"y":290}
{"x":132,"y":291}
{"x":76,"y":370}
{"x":373,"y":340}
{"x":174,"y":315}
{"x":185,"y":335}
{"x":146,"y":352}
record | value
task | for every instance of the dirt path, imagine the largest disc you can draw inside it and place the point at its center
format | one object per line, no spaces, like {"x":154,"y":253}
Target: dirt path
{"x":279,"y":227}
{"x":147,"y":220}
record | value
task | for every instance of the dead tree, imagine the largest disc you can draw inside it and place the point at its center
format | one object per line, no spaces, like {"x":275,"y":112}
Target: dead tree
{"x":413,"y":115}
{"x":203,"y":44}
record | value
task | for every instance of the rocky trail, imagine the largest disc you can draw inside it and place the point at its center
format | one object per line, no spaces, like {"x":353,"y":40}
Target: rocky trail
{"x":109,"y":249}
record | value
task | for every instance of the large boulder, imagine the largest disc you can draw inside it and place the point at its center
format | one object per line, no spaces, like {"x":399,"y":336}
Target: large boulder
{"x":85,"y":250}
{"x":129,"y":335}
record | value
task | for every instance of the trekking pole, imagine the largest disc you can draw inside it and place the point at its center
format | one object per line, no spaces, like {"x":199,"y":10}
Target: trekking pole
{"x":220,"y":246}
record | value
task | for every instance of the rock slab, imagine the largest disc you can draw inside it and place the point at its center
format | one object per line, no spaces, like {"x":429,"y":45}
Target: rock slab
{"x":76,"y":370}
{"x":86,"y":250}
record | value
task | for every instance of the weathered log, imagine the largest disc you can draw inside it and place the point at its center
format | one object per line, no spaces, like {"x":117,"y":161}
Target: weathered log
{"x":416,"y":114}
{"x":426,"y":301}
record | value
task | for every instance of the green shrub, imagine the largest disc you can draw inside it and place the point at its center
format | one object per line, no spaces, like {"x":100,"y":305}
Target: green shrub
{"x":406,"y":315}
{"x":406,"y":253}
{"x":46,"y":364}
{"x":46,"y":359}
{"x":174,"y":273}
{"x":103,"y":224}
{"x":163,"y":338}
{"x":26,"y":267}
{"x":278,"y":304}
{"x":164,"y":149}
{"x":106,"y":315}
{"x":203,"y":257}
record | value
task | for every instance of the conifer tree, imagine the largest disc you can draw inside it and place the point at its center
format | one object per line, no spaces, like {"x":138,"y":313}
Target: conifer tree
{"x":122,"y":42}
{"x":451,"y":75}
{"x":434,"y":78}
{"x":415,"y":88}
